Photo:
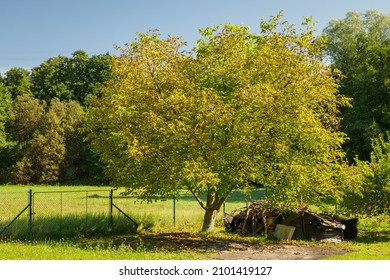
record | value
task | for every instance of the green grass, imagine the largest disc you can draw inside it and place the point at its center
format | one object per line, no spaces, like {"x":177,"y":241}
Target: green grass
{"x":372,"y":243}
{"x":68,"y":250}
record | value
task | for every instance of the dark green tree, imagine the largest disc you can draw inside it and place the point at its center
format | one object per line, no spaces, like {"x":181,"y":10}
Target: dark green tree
{"x":70,"y":78}
{"x":359,"y":46}
{"x":49,"y":144}
{"x":17,"y":80}
{"x":49,"y":80}
{"x":5,"y":105}
{"x":5,"y":145}
{"x":372,"y":197}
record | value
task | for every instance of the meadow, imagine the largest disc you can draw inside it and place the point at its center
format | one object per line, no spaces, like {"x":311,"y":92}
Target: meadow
{"x":72,"y":223}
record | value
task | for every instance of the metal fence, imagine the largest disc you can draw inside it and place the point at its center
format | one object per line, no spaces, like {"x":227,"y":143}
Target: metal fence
{"x":61,"y":214}
{"x":69,"y":213}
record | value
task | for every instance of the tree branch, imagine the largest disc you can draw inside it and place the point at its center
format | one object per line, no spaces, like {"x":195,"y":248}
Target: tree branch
{"x":198,"y":199}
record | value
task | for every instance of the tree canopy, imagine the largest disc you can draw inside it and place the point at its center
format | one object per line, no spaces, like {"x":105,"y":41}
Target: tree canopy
{"x":70,"y":78}
{"x":47,"y":141}
{"x":359,"y":46}
{"x":40,"y":116}
{"x":241,"y":109}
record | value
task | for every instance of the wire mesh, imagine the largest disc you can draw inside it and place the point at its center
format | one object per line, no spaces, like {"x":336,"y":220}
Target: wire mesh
{"x":69,"y":213}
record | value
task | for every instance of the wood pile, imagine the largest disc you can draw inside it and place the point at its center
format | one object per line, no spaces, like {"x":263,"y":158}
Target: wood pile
{"x":256,"y":218}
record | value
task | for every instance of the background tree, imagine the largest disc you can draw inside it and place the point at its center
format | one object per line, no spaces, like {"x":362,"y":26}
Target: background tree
{"x":17,"y":81}
{"x":48,"y":140}
{"x":70,"y":78}
{"x":5,"y":105}
{"x":242,"y":108}
{"x":41,"y":116}
{"x":5,"y":145}
{"x":359,"y":46}
{"x":49,"y":80}
{"x":373,"y":197}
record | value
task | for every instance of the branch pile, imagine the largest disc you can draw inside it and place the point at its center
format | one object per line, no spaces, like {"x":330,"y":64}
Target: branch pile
{"x":257,"y":217}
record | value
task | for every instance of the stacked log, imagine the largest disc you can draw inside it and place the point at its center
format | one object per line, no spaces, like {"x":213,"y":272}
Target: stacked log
{"x":256,"y":218}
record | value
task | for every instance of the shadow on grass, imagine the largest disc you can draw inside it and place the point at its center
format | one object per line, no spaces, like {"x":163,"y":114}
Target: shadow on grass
{"x":172,"y":242}
{"x":70,"y":226}
{"x":368,"y":237}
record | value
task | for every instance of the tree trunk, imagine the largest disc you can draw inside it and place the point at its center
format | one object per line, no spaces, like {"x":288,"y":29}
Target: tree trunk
{"x":214,"y":202}
{"x":209,"y":219}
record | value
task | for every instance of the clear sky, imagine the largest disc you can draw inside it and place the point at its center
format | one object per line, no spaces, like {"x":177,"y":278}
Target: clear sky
{"x":32,"y":31}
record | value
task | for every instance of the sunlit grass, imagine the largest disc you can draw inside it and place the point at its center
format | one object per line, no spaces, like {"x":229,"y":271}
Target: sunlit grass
{"x":372,"y":243}
{"x":65,"y":250}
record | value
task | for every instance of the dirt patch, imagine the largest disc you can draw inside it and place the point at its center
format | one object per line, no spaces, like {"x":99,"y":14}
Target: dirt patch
{"x":280,"y":252}
{"x":222,"y":249}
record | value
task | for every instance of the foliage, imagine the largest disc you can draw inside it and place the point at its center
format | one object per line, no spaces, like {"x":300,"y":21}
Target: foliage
{"x":47,"y":137}
{"x":359,"y":46}
{"x":243,"y":108}
{"x":40,"y":119}
{"x":373,"y":197}
{"x":17,"y":81}
{"x":70,"y":78}
{"x":5,"y":105}
{"x":5,"y":114}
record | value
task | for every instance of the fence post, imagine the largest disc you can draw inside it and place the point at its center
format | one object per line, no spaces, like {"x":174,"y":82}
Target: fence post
{"x":61,"y":207}
{"x":111,"y":218}
{"x":30,"y":212}
{"x":174,"y":210}
{"x":86,"y":208}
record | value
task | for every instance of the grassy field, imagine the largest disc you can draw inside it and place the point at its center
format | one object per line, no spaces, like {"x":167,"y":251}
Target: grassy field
{"x":72,"y":224}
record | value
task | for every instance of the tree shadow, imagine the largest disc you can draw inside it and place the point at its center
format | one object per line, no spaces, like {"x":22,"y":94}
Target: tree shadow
{"x":368,"y":237}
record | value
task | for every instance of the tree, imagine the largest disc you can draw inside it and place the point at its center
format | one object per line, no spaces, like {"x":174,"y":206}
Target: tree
{"x":49,"y":80}
{"x":49,"y":144}
{"x":70,"y":78}
{"x":5,"y":105}
{"x":359,"y":46}
{"x":373,"y":195}
{"x":243,"y":108}
{"x":5,"y":112}
{"x":17,"y":80}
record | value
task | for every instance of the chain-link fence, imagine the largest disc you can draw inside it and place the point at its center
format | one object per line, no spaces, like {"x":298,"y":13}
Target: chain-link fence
{"x":69,"y":213}
{"x":15,"y":212}
{"x":57,"y":214}
{"x":181,"y":212}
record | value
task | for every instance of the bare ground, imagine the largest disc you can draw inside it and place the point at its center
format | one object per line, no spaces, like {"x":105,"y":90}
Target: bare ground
{"x":280,"y":252}
{"x":222,"y":249}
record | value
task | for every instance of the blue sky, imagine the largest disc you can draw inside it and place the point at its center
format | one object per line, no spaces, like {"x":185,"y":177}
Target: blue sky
{"x":32,"y":31}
